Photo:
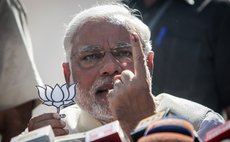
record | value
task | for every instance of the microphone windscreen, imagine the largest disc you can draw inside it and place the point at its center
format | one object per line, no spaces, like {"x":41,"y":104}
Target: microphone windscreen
{"x":166,"y":137}
{"x":144,"y":123}
{"x":219,"y":133}
{"x":169,"y":129}
{"x":171,"y":124}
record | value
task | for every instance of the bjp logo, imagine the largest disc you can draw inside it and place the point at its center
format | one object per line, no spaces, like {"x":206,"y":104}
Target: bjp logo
{"x":57,"y":96}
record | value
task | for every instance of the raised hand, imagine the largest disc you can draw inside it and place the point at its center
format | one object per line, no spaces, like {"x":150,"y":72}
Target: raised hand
{"x":52,"y":119}
{"x":131,"y":99}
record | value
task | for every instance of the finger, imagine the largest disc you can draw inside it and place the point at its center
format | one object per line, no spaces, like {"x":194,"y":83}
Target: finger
{"x":40,"y":118}
{"x":117,"y":77}
{"x":140,"y":65}
{"x":110,"y":94}
{"x":53,"y":122}
{"x":60,"y":132}
{"x":45,"y":116}
{"x":117,"y":84}
{"x":126,"y":76}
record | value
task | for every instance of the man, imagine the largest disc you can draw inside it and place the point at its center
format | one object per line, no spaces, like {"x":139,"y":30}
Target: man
{"x":109,"y":57}
{"x":18,"y":74}
{"x":191,"y":42}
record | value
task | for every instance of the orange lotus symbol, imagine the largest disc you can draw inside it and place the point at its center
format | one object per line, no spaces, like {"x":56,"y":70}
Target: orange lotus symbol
{"x":57,"y":96}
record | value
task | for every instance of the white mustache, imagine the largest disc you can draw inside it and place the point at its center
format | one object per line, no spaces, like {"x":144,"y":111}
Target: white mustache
{"x":100,"y":82}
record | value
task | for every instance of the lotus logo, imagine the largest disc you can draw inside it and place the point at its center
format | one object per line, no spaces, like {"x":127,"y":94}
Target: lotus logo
{"x":57,"y":96}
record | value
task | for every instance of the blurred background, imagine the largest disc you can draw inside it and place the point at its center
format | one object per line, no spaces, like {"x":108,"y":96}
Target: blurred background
{"x":46,"y":21}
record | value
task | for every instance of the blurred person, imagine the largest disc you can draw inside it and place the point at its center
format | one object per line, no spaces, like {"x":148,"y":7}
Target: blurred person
{"x":109,"y":57}
{"x":191,"y":41}
{"x":18,"y":75}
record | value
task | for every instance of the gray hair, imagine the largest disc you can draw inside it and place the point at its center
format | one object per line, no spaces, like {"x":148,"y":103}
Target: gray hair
{"x":116,"y":14}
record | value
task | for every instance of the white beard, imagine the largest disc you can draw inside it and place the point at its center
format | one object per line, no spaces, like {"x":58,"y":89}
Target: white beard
{"x":87,"y":102}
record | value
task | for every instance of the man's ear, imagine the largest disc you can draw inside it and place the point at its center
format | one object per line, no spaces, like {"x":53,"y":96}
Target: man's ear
{"x":66,"y":71}
{"x":150,"y":63}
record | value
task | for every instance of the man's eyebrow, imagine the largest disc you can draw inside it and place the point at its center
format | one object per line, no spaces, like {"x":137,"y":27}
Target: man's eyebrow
{"x":88,"y":48}
{"x":123,"y":45}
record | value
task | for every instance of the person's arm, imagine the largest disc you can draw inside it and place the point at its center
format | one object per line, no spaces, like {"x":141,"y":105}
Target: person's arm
{"x":13,"y":121}
{"x":131,"y":99}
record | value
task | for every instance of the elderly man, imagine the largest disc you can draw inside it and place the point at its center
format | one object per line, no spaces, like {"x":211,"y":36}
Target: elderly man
{"x":109,"y":57}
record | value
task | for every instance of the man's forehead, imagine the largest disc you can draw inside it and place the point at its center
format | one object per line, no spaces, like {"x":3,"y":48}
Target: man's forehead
{"x":94,"y":35}
{"x":99,"y":23}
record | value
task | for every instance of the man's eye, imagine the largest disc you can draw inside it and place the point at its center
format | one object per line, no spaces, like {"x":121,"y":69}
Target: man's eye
{"x":121,"y":54}
{"x":92,"y":57}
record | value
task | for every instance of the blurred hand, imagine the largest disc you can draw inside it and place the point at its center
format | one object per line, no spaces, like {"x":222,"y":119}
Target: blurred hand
{"x":52,"y":119}
{"x":14,"y":121}
{"x":131,"y":99}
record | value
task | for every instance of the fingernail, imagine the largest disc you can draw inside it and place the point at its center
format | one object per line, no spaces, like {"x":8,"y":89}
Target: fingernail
{"x":117,"y":81}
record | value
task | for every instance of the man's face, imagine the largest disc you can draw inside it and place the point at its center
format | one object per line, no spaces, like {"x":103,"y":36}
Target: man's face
{"x":101,"y":50}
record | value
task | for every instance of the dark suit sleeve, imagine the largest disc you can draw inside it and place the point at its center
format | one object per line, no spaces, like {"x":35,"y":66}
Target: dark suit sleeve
{"x":222,"y":52}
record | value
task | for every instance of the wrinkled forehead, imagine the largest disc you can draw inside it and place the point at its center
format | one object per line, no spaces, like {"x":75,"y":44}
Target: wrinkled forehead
{"x":93,"y":22}
{"x":100,"y":32}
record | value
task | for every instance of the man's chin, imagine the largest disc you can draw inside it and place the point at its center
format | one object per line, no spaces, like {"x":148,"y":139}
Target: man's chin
{"x":100,"y":112}
{"x":102,"y":98}
{"x":104,"y":118}
{"x":96,"y":104}
{"x":104,"y":115}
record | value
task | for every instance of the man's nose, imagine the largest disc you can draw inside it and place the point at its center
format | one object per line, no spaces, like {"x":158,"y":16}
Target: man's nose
{"x":110,"y":65}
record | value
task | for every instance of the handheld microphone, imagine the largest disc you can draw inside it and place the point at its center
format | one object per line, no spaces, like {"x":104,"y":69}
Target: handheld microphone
{"x":44,"y":134}
{"x":111,"y":132}
{"x":169,"y":129}
{"x":221,"y":132}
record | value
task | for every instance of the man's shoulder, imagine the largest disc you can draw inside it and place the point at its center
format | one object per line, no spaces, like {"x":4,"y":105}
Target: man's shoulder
{"x":194,"y":112}
{"x":202,"y":118}
{"x":165,"y":99}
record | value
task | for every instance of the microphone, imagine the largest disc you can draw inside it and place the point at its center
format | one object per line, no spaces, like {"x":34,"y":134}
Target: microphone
{"x":77,"y":137}
{"x":221,"y":132}
{"x":170,"y":129}
{"x":44,"y":134}
{"x":139,"y":131}
{"x":111,"y":132}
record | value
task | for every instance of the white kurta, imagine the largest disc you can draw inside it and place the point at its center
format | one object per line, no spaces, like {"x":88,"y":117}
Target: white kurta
{"x":202,"y":118}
